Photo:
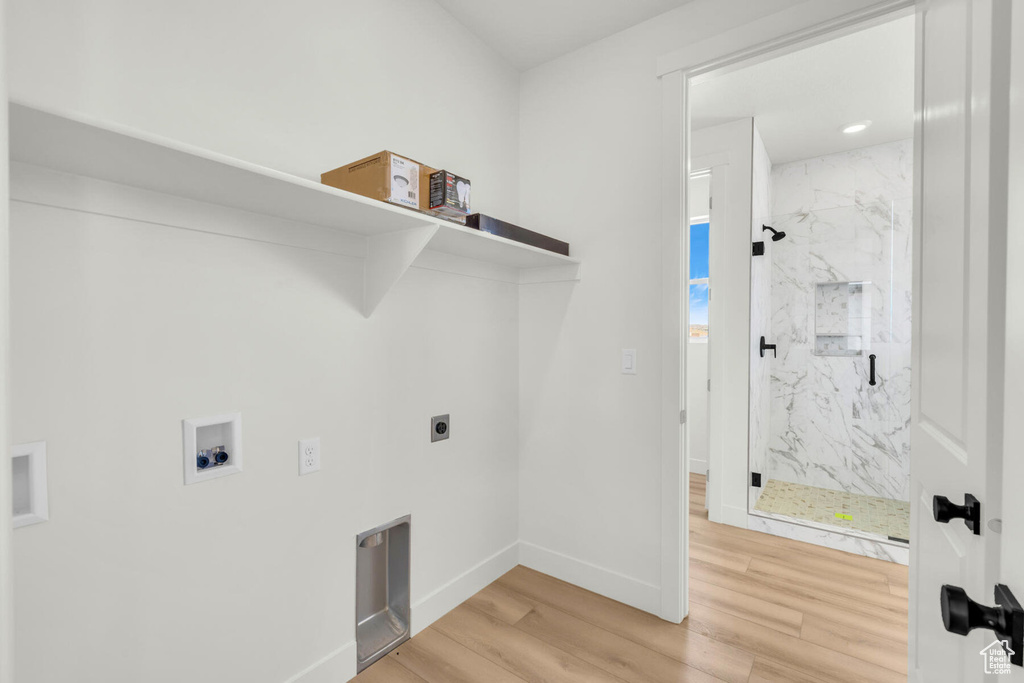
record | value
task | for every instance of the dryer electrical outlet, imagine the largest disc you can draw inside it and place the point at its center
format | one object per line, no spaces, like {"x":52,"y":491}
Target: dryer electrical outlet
{"x":309,"y":456}
{"x":440,"y":428}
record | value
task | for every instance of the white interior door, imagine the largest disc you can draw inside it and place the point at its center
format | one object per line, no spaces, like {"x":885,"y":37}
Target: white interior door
{"x":1011,"y":569}
{"x":959,"y":321}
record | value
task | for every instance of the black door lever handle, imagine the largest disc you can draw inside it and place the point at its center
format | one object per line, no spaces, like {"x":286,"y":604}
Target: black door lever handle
{"x":871,"y":381}
{"x":961,"y":615}
{"x":768,"y":347}
{"x":944,"y":510}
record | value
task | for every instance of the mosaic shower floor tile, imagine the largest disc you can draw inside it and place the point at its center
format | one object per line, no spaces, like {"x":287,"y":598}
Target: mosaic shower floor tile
{"x":882,"y":516}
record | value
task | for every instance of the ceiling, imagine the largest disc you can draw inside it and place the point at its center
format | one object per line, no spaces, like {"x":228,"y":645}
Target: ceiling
{"x":801,"y":100}
{"x":530,"y":32}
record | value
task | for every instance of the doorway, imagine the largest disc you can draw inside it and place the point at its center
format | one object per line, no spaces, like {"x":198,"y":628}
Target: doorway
{"x":809,"y":406}
{"x":825,"y":140}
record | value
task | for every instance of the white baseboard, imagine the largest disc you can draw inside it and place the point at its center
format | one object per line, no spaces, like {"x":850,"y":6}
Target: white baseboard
{"x":698,"y":466}
{"x":734,"y":516}
{"x":611,"y":584}
{"x":340,"y":665}
{"x":432,"y":607}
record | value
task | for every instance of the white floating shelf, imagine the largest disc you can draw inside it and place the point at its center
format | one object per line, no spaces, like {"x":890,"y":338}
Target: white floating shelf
{"x":120,"y":155}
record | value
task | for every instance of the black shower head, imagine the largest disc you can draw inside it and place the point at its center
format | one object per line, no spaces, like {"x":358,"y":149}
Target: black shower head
{"x":776,"y":234}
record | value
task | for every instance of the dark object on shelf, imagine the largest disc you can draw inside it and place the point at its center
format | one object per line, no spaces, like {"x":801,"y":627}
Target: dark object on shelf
{"x":871,"y":381}
{"x":500,"y":228}
{"x":758,"y":248}
{"x":449,"y":194}
{"x":768,"y":347}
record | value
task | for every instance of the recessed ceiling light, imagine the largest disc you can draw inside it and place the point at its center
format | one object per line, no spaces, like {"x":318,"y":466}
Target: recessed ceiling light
{"x":856,"y":127}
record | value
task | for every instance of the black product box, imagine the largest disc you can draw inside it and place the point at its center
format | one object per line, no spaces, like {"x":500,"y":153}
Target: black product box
{"x":514,"y":232}
{"x":449,"y":194}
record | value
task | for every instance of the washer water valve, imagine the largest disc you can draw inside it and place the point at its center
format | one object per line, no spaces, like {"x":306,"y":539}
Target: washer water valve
{"x":211,"y":457}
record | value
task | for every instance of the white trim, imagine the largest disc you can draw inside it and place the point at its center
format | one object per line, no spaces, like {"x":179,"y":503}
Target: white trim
{"x":734,"y":516}
{"x":339,"y":665}
{"x":39,"y":505}
{"x":625,"y":589}
{"x":442,"y":600}
{"x":6,"y":528}
{"x":807,"y":23}
{"x":675,"y":307}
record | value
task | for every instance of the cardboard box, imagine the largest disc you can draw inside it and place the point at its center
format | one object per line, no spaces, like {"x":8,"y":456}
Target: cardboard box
{"x":385,"y":176}
{"x":449,"y":194}
{"x":501,"y":228}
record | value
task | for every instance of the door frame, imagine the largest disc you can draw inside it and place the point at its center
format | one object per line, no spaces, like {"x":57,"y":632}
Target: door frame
{"x":6,"y":525}
{"x":803,"y":25}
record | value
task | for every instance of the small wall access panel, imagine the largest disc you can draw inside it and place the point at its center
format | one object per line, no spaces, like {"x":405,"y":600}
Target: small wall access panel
{"x":382,"y":590}
{"x":28,"y":467}
{"x":212,"y":447}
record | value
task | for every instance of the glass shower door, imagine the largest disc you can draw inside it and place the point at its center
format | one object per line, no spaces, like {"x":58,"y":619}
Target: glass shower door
{"x":830,"y":413}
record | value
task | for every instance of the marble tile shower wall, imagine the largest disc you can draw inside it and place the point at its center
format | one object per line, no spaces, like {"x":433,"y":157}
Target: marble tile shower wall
{"x":847,"y":218}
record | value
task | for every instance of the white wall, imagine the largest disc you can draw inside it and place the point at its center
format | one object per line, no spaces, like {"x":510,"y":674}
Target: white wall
{"x":6,"y":536}
{"x":303,"y":89}
{"x":298,"y":87}
{"x":122,"y":328}
{"x":590,"y":444}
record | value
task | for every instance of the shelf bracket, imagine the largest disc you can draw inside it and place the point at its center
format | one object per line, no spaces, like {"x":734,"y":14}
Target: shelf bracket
{"x":388,"y":256}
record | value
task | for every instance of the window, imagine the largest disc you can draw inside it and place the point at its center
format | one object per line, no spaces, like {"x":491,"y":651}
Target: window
{"x":699,"y":285}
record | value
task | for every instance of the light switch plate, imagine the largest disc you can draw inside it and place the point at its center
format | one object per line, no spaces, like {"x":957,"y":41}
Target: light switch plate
{"x":628,"y":361}
{"x":309,"y":456}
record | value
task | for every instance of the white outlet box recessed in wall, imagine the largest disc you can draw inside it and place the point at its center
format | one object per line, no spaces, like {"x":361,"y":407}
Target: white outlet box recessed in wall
{"x":204,"y":433}
{"x":309,"y":455}
{"x":28,"y":465}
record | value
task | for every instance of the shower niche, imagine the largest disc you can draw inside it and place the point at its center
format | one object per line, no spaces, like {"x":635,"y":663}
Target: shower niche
{"x":382,"y":590}
{"x":842,"y":318}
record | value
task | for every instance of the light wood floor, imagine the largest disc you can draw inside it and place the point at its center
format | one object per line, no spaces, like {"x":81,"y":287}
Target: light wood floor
{"x":762,"y":608}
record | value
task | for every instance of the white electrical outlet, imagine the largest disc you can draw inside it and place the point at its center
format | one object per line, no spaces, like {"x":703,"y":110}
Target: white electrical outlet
{"x":309,"y":455}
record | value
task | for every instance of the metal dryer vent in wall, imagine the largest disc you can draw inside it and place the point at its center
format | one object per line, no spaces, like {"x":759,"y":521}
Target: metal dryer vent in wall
{"x":382,"y":590}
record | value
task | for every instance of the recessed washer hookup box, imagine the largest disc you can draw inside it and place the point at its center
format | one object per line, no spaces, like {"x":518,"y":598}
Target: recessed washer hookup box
{"x":502,"y":228}
{"x":449,"y":194}
{"x":385,"y":176}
